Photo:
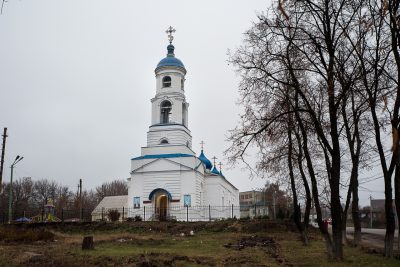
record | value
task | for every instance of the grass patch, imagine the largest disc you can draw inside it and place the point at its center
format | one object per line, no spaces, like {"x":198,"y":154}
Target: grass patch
{"x":315,"y":255}
{"x":224,"y":243}
{"x":205,"y":248}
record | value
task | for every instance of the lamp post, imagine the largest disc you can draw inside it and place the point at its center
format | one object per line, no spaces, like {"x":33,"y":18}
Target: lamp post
{"x":17,"y":159}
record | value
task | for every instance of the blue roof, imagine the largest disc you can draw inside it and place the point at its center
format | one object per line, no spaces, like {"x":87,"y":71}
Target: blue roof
{"x":205,"y":160}
{"x":170,"y":60}
{"x":161,"y":156}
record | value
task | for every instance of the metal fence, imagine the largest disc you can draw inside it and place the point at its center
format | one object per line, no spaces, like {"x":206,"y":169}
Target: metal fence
{"x":179,"y":213}
{"x":144,"y":213}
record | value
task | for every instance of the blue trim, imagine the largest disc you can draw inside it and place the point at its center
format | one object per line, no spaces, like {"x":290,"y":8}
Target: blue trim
{"x":163,"y":156}
{"x":162,"y":190}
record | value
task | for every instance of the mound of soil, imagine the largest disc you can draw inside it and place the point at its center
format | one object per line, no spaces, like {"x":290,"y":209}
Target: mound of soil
{"x":269,"y":244}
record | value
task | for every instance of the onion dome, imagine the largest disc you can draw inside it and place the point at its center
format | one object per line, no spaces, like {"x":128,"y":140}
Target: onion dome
{"x":205,"y":160}
{"x":170,"y":60}
{"x":215,"y":171}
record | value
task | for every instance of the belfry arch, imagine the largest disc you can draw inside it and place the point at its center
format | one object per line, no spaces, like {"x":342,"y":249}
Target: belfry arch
{"x":165,"y":111}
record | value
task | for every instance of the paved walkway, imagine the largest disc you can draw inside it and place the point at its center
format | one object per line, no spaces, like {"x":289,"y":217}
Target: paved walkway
{"x":372,"y":237}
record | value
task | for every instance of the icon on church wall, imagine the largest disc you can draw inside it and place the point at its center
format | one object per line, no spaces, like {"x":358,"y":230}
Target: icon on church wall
{"x":136,"y":202}
{"x":187,"y":200}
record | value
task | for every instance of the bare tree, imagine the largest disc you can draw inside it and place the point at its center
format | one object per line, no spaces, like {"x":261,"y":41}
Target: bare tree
{"x":114,"y":188}
{"x":302,"y":47}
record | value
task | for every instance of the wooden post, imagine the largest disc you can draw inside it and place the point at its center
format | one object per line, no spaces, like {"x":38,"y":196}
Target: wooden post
{"x":209,"y":212}
{"x":3,"y":149}
{"x":123,"y":211}
{"x":144,"y":213}
{"x":232,"y":211}
{"x":187,"y":213}
{"x":87,"y":243}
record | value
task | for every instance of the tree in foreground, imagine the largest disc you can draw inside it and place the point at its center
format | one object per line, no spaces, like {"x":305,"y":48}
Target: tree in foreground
{"x":307,"y":70}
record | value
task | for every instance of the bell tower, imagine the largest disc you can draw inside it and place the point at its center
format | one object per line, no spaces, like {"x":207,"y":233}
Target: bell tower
{"x":169,"y":118}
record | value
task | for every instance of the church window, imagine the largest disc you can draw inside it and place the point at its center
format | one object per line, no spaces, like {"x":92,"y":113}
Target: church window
{"x":182,"y":84}
{"x":166,"y":108}
{"x":166,"y":81}
{"x":164,"y":141}
{"x":136,"y":202}
{"x":187,"y":200}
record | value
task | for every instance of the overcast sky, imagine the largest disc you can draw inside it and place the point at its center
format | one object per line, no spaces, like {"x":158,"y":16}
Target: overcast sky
{"x":76,"y":79}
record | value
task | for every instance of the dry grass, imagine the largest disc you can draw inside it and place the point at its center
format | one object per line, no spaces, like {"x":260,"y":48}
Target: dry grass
{"x":155,"y":245}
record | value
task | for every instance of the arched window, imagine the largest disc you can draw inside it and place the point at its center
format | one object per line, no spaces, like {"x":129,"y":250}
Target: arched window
{"x":166,"y":108}
{"x":166,"y":81}
{"x":182,"y":84}
{"x":164,"y":141}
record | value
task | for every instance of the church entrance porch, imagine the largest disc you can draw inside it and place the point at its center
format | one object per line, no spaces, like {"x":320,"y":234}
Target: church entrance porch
{"x":161,"y":200}
{"x":161,"y":207}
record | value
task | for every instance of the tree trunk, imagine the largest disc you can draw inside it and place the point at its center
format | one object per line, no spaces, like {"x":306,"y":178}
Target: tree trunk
{"x":397,"y":199}
{"x":314,"y":187}
{"x":296,"y":206}
{"x":87,"y":243}
{"x":305,"y":182}
{"x":356,"y":215}
{"x":390,"y":222}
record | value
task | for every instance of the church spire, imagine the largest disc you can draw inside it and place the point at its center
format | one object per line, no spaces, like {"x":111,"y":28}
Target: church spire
{"x":203,"y":157}
{"x":220,"y":169}
{"x":215,"y":170}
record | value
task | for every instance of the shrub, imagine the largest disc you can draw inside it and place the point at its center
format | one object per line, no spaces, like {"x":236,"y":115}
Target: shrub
{"x":113,"y":215}
{"x":137,"y":218}
{"x":25,"y":235}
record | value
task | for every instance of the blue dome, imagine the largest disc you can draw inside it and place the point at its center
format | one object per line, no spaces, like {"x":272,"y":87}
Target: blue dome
{"x":215,"y":171}
{"x":170,"y":60}
{"x":205,"y":160}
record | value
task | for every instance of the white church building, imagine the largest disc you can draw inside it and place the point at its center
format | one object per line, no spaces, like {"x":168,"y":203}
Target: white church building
{"x":168,"y":180}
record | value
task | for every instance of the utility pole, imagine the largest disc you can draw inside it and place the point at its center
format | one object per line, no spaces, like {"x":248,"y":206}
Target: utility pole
{"x":370,"y":209}
{"x":17,"y":159}
{"x":80,"y":198}
{"x":3,"y":150}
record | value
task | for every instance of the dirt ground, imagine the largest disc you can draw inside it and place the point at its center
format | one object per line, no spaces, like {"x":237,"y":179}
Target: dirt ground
{"x":224,"y":243}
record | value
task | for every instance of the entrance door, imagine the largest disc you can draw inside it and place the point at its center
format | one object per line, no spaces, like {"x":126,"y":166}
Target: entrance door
{"x":161,"y":207}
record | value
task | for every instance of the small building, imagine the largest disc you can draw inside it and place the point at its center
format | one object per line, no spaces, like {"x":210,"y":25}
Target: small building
{"x":119,"y":203}
{"x":378,"y":213}
{"x":253,"y":204}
